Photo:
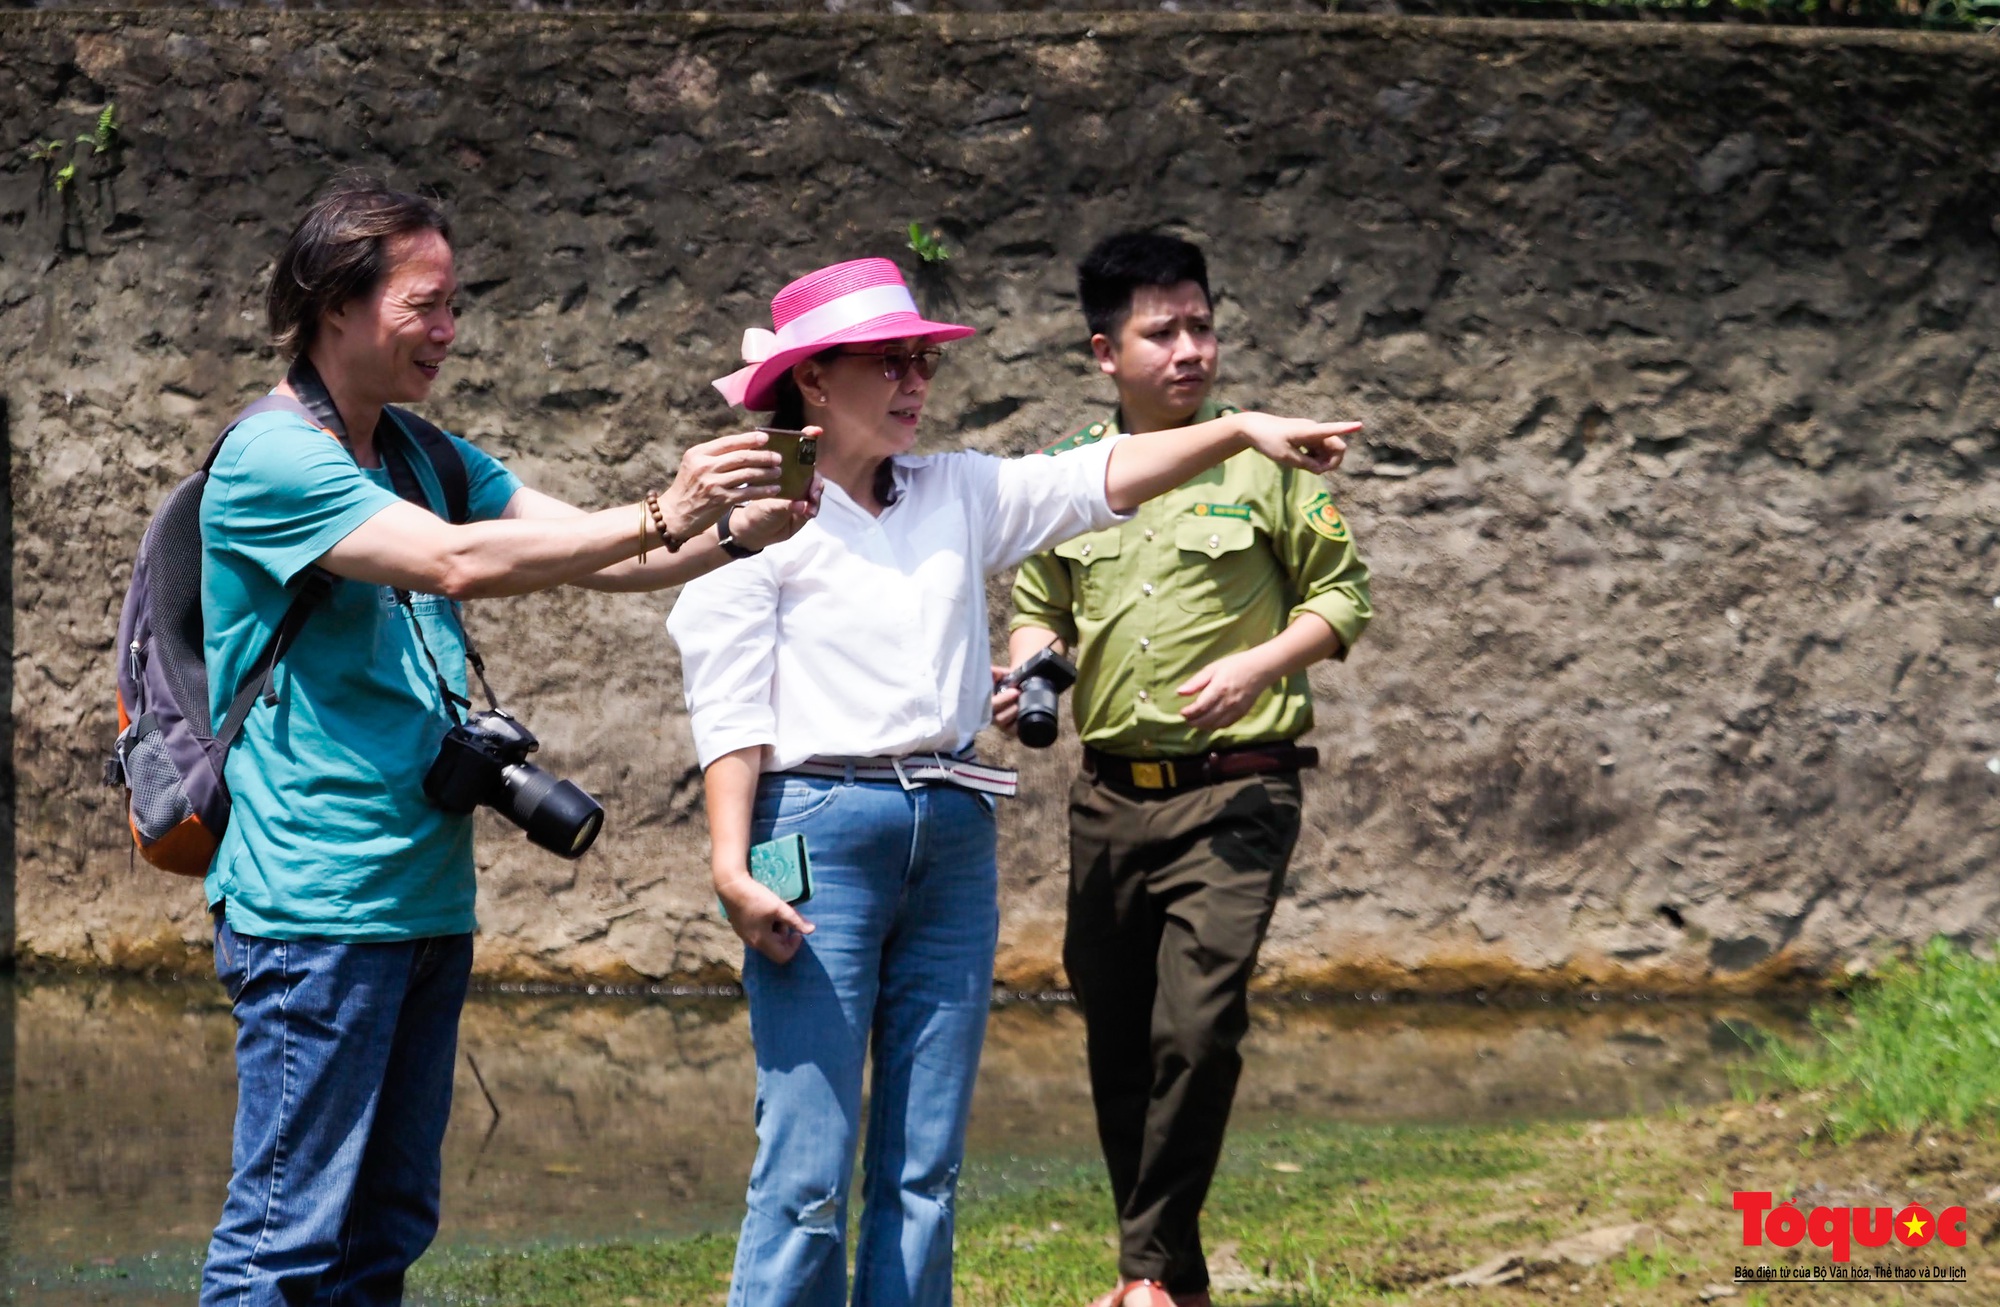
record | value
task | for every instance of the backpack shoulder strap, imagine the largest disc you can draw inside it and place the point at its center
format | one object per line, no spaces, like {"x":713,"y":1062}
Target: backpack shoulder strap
{"x":265,"y":404}
{"x":447,"y":464}
{"x":317,"y":586}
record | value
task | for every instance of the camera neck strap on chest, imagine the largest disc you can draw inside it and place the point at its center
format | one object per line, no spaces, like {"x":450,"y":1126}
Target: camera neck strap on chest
{"x":452,"y":700}
{"x":393,"y":441}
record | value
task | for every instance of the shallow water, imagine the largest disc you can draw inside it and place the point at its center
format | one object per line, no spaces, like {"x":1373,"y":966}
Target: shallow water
{"x":631,"y":1115}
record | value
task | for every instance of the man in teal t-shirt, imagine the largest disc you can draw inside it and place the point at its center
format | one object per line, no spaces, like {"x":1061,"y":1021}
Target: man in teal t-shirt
{"x":342,"y":898}
{"x":331,"y":834}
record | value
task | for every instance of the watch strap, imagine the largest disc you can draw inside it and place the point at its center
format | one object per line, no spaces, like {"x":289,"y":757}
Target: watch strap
{"x":730,"y":544}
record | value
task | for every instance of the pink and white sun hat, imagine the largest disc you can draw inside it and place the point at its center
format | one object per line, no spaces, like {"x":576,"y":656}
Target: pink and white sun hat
{"x":849,"y":303}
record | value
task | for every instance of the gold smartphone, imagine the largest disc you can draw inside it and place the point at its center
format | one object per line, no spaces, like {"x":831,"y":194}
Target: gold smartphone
{"x":799,"y":451}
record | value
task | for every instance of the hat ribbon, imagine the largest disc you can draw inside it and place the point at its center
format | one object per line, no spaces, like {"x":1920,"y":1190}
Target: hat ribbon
{"x":829,"y":319}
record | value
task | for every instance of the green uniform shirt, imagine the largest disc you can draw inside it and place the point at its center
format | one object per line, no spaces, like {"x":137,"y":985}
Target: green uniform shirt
{"x":1220,"y":563}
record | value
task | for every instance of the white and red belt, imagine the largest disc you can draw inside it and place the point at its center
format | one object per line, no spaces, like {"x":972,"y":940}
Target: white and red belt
{"x":913,"y":770}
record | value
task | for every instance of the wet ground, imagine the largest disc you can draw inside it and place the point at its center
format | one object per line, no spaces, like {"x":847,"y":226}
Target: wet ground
{"x":622,"y":1115}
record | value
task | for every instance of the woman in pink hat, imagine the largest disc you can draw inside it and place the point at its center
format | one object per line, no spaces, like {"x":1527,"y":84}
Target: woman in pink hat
{"x":835,"y":683}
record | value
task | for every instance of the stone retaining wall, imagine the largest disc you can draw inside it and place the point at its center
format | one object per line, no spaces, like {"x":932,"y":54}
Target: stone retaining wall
{"x":1672,"y":344}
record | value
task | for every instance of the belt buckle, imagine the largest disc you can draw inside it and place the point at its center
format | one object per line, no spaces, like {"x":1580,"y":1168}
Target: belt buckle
{"x":1153,"y":775}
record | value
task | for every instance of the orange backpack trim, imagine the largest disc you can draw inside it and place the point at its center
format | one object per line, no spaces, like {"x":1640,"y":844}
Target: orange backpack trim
{"x":186,"y":850}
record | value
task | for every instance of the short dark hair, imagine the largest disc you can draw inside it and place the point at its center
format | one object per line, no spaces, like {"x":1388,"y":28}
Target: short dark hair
{"x":1120,"y":264}
{"x":338,"y":253}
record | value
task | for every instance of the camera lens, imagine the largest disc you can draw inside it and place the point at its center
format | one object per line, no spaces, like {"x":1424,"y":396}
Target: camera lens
{"x":557,"y":814}
{"x":1037,"y":724}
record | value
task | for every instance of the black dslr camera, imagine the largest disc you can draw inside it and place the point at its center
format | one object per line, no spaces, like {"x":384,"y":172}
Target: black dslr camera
{"x":1042,"y":679}
{"x":484,"y":760}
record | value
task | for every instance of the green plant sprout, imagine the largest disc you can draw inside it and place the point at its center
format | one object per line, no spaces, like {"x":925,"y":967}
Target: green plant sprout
{"x":104,"y":137}
{"x":101,"y":139}
{"x":63,"y":172}
{"x":929,"y":246}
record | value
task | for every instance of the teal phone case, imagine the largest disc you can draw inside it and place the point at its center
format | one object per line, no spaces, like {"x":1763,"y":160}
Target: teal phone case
{"x":782,"y":867}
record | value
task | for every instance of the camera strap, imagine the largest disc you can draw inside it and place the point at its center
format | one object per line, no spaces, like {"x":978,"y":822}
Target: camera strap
{"x":305,"y":382}
{"x":452,"y":699}
{"x":404,"y":478}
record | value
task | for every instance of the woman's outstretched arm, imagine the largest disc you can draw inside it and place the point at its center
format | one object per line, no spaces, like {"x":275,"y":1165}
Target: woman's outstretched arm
{"x":1146,"y":465}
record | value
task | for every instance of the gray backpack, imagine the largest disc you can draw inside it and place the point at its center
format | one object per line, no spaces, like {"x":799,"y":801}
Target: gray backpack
{"x":167,"y":756}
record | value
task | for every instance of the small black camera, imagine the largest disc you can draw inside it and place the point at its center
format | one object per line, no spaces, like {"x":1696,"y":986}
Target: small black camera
{"x":484,"y":760}
{"x":1041,"y":679}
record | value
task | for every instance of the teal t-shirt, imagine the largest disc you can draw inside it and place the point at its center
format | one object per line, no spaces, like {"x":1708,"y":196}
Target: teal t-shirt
{"x":330,"y":836}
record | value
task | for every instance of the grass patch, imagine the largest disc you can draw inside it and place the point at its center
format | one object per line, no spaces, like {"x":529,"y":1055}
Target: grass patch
{"x":1311,"y":1215}
{"x":667,"y":1273}
{"x":1327,"y":1214}
{"x":1335,"y":1215}
{"x":1918,"y":1049}
{"x":1317,"y":1214}
{"x":1644,"y":1268}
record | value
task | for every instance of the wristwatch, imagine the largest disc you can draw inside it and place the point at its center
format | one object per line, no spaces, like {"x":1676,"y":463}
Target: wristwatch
{"x":729,"y":543}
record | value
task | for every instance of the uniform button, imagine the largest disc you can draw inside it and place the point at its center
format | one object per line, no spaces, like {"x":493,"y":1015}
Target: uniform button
{"x":1143,"y":696}
{"x":1214,"y":541}
{"x":1147,"y":588}
{"x":1085,"y":551}
{"x":1145,"y":642}
{"x":1149,"y":533}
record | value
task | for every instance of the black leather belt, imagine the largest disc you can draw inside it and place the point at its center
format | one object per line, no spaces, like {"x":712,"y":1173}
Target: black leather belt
{"x":1190,"y":772}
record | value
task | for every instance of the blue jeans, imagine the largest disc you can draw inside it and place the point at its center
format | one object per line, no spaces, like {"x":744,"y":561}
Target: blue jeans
{"x":344,"y":1056}
{"x":905,"y":919}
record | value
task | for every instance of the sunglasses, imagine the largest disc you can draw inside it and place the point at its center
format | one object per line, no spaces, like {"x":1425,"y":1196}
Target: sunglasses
{"x":898,"y":363}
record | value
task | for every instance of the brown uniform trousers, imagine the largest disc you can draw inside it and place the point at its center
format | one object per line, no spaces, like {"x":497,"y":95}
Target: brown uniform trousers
{"x":1169,"y":899}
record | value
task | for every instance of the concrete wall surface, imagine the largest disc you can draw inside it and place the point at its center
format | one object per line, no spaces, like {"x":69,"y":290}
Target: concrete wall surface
{"x":1672,"y":345}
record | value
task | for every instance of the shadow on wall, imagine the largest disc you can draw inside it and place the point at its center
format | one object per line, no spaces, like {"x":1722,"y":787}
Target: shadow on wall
{"x":7,"y":1079}
{"x":7,"y":712}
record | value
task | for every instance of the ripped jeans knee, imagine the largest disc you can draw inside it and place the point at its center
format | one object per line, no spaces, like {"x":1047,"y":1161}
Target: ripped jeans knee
{"x":939,"y":1188}
{"x":819,"y":1216}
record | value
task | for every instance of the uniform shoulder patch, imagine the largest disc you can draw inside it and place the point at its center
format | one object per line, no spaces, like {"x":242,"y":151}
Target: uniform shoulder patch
{"x":1089,"y":435}
{"x":1324,"y":518}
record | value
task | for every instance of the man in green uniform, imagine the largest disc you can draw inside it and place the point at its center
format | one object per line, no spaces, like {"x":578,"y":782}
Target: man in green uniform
{"x":1192,"y":626}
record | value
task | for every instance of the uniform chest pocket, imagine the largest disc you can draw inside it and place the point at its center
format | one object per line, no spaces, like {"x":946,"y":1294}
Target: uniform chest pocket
{"x":1095,"y":580}
{"x":1218,"y":568}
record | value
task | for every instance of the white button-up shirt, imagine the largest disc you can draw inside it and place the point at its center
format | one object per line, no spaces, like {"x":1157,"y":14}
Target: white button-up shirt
{"x":866,"y":636}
